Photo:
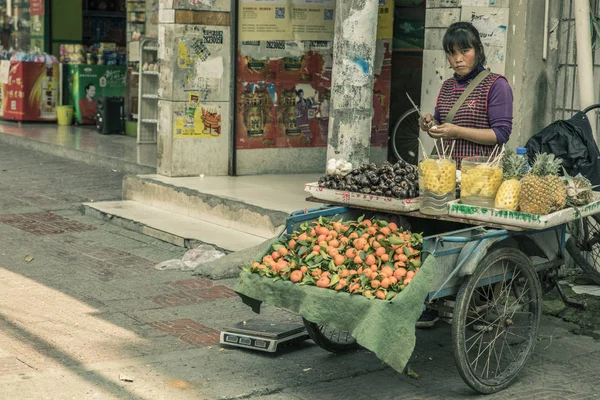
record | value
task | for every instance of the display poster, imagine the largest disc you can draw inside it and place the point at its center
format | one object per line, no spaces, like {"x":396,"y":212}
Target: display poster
{"x":31,"y":93}
{"x":313,"y":19}
{"x":300,"y":20}
{"x":201,"y":66}
{"x":4,"y":71}
{"x":197,"y":120}
{"x":381,"y":94}
{"x":264,"y":20}
{"x":87,"y":83}
{"x":385,"y":20}
{"x":36,"y":7}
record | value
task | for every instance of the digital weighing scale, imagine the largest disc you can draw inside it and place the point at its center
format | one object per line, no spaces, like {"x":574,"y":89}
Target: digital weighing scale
{"x":263,"y":335}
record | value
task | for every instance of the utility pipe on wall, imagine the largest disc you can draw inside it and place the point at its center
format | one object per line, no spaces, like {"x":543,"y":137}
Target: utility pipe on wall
{"x":585,"y":67}
{"x":545,"y":44}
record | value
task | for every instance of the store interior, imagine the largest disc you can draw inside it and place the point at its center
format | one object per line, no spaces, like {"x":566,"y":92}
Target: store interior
{"x":88,"y":50}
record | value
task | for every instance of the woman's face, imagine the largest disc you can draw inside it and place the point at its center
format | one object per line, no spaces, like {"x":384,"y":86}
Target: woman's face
{"x":91,"y":92}
{"x":462,"y":61}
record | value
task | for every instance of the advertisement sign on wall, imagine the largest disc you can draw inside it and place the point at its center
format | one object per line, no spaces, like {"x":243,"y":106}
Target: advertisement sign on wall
{"x":313,"y":19}
{"x":283,"y":95}
{"x":385,"y":20}
{"x":286,"y":19}
{"x":198,"y":120}
{"x":31,"y":93}
{"x":264,"y":19}
{"x":87,"y":83}
{"x":36,"y":7}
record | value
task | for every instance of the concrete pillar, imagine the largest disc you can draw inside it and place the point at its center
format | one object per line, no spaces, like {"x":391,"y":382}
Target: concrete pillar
{"x":195,"y":97}
{"x":352,"y":80}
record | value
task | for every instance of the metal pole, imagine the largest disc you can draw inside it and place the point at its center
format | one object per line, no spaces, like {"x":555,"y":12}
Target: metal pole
{"x":585,"y":67}
{"x":354,"y":49}
{"x":233,"y":29}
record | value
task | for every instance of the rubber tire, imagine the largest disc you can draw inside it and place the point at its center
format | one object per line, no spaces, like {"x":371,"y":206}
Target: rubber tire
{"x":462,"y":306}
{"x":574,"y":251}
{"x":395,"y":132}
{"x":325,"y":343}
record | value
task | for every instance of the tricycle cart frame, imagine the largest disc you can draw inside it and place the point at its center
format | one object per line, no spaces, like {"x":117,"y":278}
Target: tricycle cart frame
{"x":492,"y":279}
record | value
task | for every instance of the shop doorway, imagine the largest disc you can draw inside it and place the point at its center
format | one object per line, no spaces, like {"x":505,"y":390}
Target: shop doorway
{"x":407,"y":74}
{"x":104,"y":21}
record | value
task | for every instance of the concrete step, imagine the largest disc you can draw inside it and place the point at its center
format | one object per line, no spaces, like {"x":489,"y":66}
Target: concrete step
{"x":255,"y":205}
{"x":171,"y":227}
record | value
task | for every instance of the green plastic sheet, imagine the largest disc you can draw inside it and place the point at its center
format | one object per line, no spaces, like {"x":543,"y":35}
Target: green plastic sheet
{"x":387,"y":328}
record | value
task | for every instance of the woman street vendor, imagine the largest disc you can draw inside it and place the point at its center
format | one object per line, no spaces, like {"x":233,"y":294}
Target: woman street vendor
{"x":477,"y":122}
{"x":482,"y":119}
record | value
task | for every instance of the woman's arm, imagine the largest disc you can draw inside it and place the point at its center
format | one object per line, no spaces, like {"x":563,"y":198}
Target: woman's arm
{"x":451,"y":131}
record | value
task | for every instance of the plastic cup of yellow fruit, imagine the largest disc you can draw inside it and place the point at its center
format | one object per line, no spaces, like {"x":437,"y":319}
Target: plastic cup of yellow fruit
{"x":480,"y":182}
{"x":437,"y":184}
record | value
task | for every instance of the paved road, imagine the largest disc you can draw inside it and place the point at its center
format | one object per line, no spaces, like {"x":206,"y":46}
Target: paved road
{"x":82,"y":311}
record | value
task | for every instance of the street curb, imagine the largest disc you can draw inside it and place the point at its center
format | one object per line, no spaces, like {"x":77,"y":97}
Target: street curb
{"x":77,"y":155}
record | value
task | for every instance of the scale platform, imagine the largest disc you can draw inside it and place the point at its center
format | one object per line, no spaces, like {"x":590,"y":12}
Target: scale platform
{"x":263,"y":335}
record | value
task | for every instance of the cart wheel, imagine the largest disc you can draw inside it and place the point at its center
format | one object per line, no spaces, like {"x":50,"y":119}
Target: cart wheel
{"x":496,"y":320}
{"x":584,"y":245}
{"x":330,"y":339}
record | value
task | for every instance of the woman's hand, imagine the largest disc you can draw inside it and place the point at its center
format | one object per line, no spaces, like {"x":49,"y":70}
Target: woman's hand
{"x":444,"y":131}
{"x":426,"y":122}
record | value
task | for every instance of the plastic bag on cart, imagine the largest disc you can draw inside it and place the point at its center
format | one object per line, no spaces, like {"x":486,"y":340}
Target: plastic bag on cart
{"x":573,"y":142}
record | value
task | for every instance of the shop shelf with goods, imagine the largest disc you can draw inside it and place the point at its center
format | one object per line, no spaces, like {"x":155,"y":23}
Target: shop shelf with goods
{"x":136,"y":19}
{"x":148,"y":91}
{"x":104,"y":22}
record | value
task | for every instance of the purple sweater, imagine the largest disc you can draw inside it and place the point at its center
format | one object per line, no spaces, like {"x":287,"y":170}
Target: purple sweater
{"x":500,"y":103}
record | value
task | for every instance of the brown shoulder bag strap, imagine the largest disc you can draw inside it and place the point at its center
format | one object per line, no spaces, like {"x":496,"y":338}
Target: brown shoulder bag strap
{"x":478,"y":79}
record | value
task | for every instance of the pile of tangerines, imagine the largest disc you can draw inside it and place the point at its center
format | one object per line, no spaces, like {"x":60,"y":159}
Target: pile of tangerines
{"x":371,"y":258}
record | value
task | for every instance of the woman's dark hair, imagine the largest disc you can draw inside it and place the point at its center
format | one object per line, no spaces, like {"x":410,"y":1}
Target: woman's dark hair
{"x":89,"y":85}
{"x":463,"y":35}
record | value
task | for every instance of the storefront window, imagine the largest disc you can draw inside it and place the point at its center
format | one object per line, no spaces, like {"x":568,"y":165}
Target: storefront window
{"x":22,"y":24}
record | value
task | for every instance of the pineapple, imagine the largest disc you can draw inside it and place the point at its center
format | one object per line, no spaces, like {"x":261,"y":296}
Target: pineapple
{"x":437,"y":176}
{"x":542,"y":190}
{"x":579,"y":190}
{"x":481,"y":180}
{"x":508,"y":195}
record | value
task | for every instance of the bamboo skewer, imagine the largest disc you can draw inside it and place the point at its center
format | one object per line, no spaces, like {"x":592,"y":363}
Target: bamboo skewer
{"x":443,"y":148}
{"x":492,"y":155}
{"x":425,"y":156}
{"x":452,"y":149}
{"x":437,"y":150}
{"x":498,"y":159}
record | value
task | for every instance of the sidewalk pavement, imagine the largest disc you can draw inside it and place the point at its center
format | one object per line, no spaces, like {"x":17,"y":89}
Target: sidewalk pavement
{"x":84,"y":314}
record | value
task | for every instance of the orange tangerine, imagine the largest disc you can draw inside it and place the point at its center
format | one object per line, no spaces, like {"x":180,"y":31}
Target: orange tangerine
{"x":387,"y":271}
{"x":323,"y":282}
{"x":296,"y":276}
{"x":400,"y":273}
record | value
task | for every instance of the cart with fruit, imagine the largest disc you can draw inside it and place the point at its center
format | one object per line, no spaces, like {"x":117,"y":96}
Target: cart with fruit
{"x":484,"y":259}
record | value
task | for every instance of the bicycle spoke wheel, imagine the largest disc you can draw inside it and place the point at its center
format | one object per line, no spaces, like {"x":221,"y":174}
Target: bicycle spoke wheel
{"x":496,"y":320}
{"x":330,"y":339}
{"x":584,"y":246}
{"x":405,"y":137}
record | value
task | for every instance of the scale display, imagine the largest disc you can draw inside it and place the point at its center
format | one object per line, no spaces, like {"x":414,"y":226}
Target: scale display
{"x":263,"y":335}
